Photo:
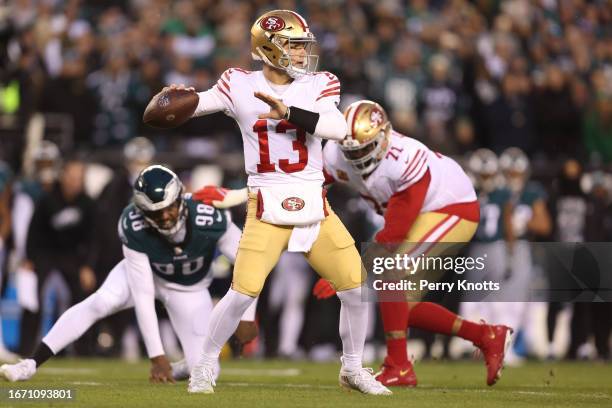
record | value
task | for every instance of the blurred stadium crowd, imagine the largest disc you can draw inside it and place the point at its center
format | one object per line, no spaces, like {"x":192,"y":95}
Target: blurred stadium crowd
{"x":458,"y":75}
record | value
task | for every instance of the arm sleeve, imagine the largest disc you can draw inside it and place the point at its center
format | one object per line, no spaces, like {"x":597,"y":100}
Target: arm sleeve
{"x":228,"y":243}
{"x":140,"y":281}
{"x":216,"y":99}
{"x":402,"y":210}
{"x":331,"y":124}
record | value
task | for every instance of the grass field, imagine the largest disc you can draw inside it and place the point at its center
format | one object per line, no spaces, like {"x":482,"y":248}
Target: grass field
{"x":111,"y":383}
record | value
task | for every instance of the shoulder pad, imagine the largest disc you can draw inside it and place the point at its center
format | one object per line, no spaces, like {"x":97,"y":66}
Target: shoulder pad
{"x":132,"y":227}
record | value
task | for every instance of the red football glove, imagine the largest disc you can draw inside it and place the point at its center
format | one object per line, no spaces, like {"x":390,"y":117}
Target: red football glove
{"x":323,"y":289}
{"x":208,"y":194}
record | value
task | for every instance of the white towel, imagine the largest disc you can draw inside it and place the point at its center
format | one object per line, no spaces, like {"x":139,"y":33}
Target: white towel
{"x":303,"y":237}
{"x":299,"y":204}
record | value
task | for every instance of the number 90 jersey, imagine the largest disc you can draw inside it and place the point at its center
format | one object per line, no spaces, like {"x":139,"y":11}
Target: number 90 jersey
{"x":188,"y":263}
{"x":276,"y":151}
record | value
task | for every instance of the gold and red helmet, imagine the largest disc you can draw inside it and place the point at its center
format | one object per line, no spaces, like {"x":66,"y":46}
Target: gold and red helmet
{"x":368,"y":135}
{"x":276,"y":35}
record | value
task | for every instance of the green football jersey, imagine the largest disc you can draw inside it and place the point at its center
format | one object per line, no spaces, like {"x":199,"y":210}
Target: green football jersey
{"x":523,"y":203}
{"x":491,"y":226}
{"x":186,"y":263}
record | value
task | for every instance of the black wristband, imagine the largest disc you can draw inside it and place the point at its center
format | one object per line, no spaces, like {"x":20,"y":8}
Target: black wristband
{"x":303,"y":118}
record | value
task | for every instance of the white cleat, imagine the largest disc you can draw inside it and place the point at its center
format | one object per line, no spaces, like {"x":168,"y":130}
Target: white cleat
{"x":180,"y":371}
{"x":362,"y":381}
{"x":202,"y":379}
{"x":21,"y":371}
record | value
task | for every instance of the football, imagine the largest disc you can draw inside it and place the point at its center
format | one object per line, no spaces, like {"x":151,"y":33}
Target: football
{"x":171,"y":108}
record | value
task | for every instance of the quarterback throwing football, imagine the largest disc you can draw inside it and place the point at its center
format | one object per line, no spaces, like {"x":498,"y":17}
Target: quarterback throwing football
{"x":284,"y":111}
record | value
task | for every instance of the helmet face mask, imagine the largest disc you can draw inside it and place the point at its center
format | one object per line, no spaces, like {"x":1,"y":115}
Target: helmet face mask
{"x":281,"y":38}
{"x":166,"y":218}
{"x":368,"y":139}
{"x":292,"y":50}
{"x":158,"y":194}
{"x":365,"y":157}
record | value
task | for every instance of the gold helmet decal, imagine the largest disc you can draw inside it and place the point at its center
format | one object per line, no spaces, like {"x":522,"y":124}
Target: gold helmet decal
{"x":282,"y":39}
{"x":368,"y":135}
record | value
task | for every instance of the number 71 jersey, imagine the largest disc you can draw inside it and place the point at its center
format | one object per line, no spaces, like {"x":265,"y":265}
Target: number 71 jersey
{"x":406,"y":162}
{"x":276,"y":151}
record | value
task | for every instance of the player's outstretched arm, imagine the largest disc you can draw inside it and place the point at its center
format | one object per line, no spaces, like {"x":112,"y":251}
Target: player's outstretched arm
{"x":140,"y":282}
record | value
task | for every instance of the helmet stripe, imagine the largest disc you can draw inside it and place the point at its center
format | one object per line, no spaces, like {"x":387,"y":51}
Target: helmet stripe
{"x":355,"y":118}
{"x":300,"y":19}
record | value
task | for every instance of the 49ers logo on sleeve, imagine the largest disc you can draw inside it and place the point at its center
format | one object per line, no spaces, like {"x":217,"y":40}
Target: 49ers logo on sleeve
{"x":293,"y":204}
{"x":272,"y":23}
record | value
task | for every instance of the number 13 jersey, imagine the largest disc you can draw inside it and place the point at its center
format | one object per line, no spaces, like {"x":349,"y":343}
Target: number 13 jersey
{"x":275,"y":151}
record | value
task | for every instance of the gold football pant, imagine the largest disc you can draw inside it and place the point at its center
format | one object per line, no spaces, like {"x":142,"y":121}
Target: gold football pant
{"x":431,"y":235}
{"x":333,"y":255}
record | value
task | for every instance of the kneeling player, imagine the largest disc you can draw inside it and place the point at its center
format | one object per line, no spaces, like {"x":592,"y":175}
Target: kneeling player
{"x":425,"y":198}
{"x":169,"y":241}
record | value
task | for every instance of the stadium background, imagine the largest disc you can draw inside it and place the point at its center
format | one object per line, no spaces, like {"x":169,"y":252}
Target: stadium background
{"x":458,"y":75}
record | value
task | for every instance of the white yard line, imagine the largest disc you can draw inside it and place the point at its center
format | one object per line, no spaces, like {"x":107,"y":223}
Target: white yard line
{"x":85,"y":383}
{"x":67,"y":370}
{"x":273,"y":385}
{"x":267,"y":372}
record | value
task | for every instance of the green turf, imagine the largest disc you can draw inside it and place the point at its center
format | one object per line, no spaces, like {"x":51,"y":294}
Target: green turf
{"x":111,"y":383}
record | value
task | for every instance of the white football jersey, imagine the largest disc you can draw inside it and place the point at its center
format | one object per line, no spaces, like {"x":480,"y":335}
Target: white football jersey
{"x":404,"y":164}
{"x":275,"y":151}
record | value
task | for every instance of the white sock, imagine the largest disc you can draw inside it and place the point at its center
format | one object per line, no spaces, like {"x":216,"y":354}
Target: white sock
{"x":74,"y":322}
{"x":224,"y":320}
{"x":353,"y":327}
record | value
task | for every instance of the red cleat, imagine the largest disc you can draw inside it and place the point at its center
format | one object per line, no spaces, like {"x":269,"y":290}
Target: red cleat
{"x":493,"y":344}
{"x":396,"y":376}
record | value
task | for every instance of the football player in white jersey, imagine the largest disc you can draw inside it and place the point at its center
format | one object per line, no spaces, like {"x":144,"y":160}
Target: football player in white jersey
{"x":426,"y":198}
{"x":284,"y":111}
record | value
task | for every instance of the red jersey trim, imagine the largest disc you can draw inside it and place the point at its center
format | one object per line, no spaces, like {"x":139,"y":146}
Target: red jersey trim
{"x":468,"y":211}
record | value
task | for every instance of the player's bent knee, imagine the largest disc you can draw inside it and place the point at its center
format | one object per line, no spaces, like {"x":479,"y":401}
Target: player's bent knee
{"x":102,"y":304}
{"x":350,"y":271}
{"x":250,"y":289}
